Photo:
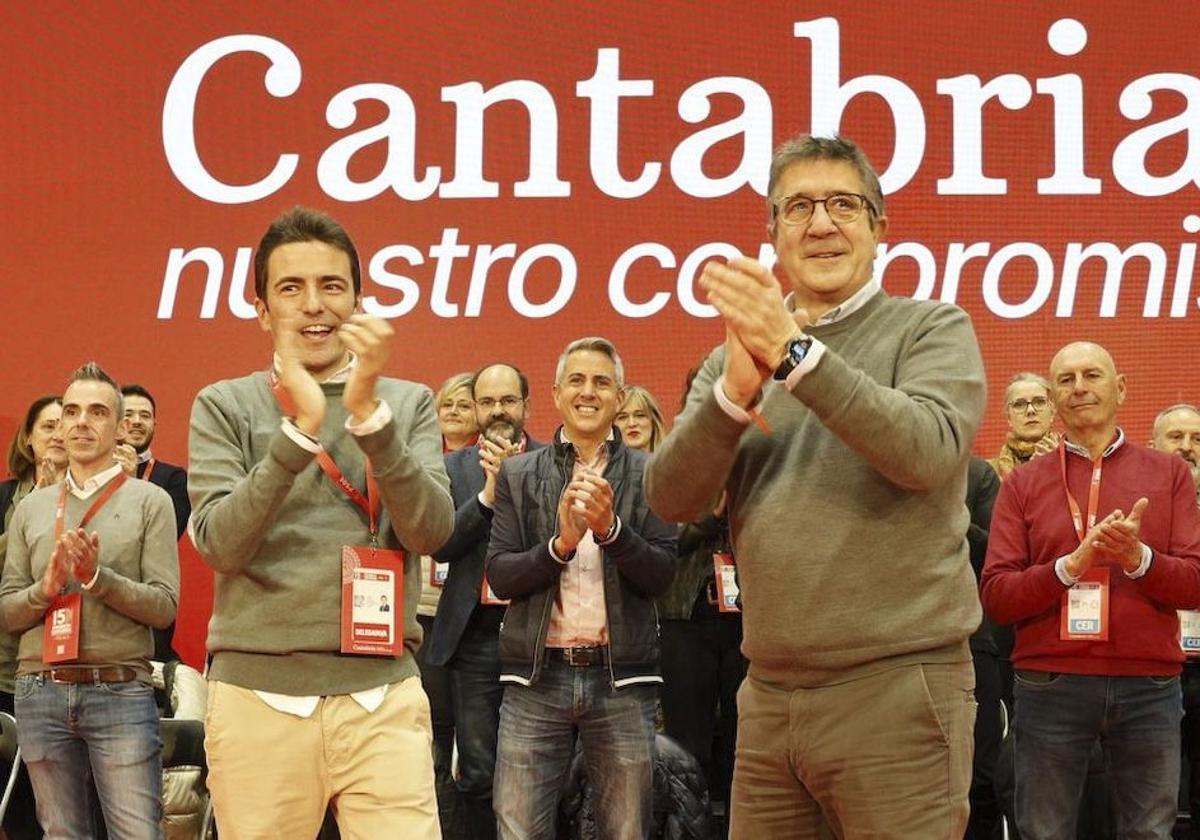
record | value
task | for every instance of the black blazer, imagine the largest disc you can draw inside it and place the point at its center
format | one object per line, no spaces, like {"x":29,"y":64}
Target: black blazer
{"x":173,"y":479}
{"x":464,"y":552}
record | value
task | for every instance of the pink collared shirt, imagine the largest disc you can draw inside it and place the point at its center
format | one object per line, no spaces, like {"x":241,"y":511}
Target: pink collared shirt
{"x":578,"y":617}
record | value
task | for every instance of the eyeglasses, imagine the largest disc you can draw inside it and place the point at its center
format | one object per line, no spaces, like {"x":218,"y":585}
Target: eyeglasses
{"x":1021,"y":406}
{"x":842,"y":208}
{"x":459,"y":405}
{"x":507,"y":403}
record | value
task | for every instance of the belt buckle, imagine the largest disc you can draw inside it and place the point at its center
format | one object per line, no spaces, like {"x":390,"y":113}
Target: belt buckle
{"x":581,"y":657}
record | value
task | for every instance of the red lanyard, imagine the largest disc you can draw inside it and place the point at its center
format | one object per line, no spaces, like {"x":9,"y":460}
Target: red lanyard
{"x":149,"y":469}
{"x":60,"y":514}
{"x":370,"y":504}
{"x":1093,"y":493}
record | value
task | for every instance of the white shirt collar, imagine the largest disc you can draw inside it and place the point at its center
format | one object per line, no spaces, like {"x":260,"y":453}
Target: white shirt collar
{"x":1083,"y":450}
{"x":338,"y":378}
{"x":92,"y":484}
{"x":844,"y":309}
{"x":145,"y":456}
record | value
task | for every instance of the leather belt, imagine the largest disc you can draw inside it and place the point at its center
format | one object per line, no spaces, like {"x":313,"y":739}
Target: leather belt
{"x":581,"y":657}
{"x":105,"y":674}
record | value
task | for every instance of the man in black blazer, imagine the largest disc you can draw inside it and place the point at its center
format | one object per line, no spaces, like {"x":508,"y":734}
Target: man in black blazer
{"x":141,"y":416}
{"x":466,"y":630}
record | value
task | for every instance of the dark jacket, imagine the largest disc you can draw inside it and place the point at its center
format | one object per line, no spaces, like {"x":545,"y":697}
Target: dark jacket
{"x":638,"y":564}
{"x":464,"y":552}
{"x":173,"y":479}
{"x":681,"y":806}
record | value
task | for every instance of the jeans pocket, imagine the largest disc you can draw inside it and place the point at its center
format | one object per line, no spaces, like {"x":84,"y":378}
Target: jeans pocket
{"x":25,"y":686}
{"x":1036,"y":680}
{"x":132,"y":688}
{"x":1163,"y":682}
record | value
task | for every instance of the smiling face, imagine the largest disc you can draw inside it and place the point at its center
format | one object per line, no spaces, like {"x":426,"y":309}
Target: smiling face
{"x":825,"y":263}
{"x":1087,"y":388}
{"x":139,"y":422}
{"x":456,"y":415}
{"x":46,"y":437}
{"x":1178,"y":433}
{"x":587,"y":395}
{"x":499,"y":407}
{"x":309,"y":293}
{"x":89,"y":423}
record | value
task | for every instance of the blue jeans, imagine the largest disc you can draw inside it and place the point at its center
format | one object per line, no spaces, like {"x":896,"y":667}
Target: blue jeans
{"x":537,"y":725}
{"x":476,"y":691}
{"x":71,"y":733}
{"x":1057,"y":721}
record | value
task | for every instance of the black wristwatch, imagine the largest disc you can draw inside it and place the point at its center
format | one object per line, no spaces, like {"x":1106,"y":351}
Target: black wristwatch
{"x":797,"y":349}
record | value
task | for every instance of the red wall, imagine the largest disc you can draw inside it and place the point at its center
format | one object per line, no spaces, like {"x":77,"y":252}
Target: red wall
{"x":1088,"y":130}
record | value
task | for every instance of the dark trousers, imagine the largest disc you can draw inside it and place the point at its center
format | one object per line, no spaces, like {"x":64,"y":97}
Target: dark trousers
{"x":989,"y":732}
{"x":702,"y":668}
{"x":477,"y":693}
{"x":436,"y":681}
{"x":1191,"y":738}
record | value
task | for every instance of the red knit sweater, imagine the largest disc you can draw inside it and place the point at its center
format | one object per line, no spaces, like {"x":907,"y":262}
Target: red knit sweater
{"x":1031,"y":528}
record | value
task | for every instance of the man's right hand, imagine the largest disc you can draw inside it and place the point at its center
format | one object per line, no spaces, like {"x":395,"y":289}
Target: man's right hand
{"x":304,"y":390}
{"x":55,"y":576}
{"x":571,"y":526}
{"x":1089,"y":551}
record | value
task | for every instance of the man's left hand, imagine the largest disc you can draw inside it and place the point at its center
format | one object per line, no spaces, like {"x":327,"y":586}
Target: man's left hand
{"x":82,"y":549}
{"x":370,"y":339}
{"x":126,"y":456}
{"x":1119,"y":538}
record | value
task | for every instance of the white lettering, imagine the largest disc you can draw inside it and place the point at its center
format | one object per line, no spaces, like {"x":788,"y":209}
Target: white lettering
{"x":605,"y":89}
{"x":753,"y":125}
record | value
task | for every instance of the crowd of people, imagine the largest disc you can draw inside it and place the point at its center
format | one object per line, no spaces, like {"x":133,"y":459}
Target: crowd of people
{"x":427,"y":623}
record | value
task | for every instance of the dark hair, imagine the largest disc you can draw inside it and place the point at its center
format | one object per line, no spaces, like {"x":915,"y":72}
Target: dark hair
{"x":92,"y":372}
{"x":807,"y":147}
{"x":21,"y":464}
{"x":302,"y":224}
{"x":139,"y":391}
{"x":524,"y":382}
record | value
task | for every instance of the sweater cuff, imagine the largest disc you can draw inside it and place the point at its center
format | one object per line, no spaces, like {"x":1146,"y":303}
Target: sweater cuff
{"x":1144,"y":566}
{"x":1060,"y":569}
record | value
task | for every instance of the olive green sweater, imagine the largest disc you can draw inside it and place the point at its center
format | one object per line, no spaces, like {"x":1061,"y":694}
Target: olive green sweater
{"x":272,"y":526}
{"x":847,"y":521}
{"x":137,"y":587}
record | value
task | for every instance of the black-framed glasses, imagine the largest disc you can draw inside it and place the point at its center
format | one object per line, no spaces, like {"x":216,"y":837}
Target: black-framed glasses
{"x":842,"y":208}
{"x":1021,"y":406}
{"x":507,"y":403}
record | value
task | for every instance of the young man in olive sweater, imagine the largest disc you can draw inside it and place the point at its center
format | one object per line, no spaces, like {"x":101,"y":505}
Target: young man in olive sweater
{"x":847,"y":517}
{"x":110,"y":543}
{"x":293,"y":723}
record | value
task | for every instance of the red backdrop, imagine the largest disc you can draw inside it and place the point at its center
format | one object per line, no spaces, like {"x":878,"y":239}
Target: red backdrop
{"x":518,"y":175}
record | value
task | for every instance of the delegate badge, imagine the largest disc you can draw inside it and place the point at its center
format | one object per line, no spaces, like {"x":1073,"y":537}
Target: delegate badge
{"x":438,"y":572}
{"x":372,"y":600}
{"x":1085,"y":608}
{"x":1189,"y":632}
{"x":60,"y":630}
{"x":727,"y":587}
{"x":490,"y":598}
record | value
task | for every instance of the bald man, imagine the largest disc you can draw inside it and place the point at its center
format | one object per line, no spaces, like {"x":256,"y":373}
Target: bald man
{"x":1092,"y":550}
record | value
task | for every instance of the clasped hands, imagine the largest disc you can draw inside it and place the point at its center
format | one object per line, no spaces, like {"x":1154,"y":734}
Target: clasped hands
{"x":369,"y":338}
{"x":586,"y":503}
{"x":1114,"y":539}
{"x":74,"y":556}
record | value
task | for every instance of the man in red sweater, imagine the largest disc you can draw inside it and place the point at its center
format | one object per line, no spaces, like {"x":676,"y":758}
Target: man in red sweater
{"x":1091,"y":552}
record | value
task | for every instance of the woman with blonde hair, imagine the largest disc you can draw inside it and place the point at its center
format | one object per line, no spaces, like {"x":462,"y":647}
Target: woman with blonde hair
{"x":640,"y":420}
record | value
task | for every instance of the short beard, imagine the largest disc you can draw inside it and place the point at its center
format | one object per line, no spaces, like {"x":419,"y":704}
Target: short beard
{"x":502,"y":432}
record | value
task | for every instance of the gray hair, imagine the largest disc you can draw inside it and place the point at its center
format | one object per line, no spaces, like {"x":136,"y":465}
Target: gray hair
{"x":1168,"y":411}
{"x":600,"y":345}
{"x":1027,"y":376}
{"x":808,"y":147}
{"x":92,"y":372}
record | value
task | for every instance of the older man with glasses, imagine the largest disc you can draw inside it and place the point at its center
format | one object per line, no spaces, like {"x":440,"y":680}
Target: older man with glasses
{"x":838,"y":422}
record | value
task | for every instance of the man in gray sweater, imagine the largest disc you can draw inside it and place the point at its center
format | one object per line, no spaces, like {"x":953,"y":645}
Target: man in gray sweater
{"x":839,"y":421}
{"x":307,"y":481}
{"x":91,"y":567}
